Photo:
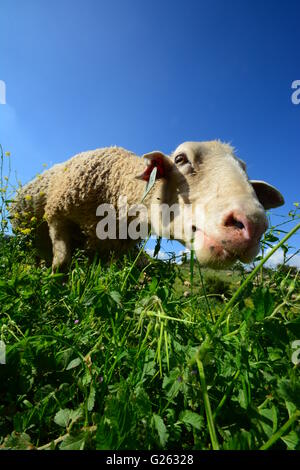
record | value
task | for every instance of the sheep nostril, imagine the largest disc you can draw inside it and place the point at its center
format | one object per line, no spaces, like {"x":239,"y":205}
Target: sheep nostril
{"x":194,"y":228}
{"x":244,"y":227}
{"x":232,"y":221}
{"x":238,"y":224}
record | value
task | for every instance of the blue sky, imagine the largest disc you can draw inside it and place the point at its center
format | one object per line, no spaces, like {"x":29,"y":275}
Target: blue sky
{"x":148,"y":75}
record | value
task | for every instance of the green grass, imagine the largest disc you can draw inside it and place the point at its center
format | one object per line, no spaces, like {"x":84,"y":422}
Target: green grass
{"x":119,"y":356}
{"x":107,"y":357}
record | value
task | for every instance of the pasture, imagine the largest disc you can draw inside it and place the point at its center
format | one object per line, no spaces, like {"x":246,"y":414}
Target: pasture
{"x":152,"y":355}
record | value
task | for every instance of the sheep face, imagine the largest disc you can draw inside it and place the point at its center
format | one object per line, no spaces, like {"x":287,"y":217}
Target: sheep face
{"x":218,"y":211}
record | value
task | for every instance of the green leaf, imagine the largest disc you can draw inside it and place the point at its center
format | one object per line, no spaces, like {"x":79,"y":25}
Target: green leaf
{"x":62,"y":417}
{"x":191,"y":418}
{"x":243,"y":440}
{"x":66,"y":416}
{"x":150,"y":183}
{"x":104,"y":436}
{"x":65,"y":356}
{"x":263,"y":302}
{"x":27,"y":403}
{"x":153,"y":285}
{"x":291,"y":440}
{"x":74,"y":363}
{"x":289,"y":390}
{"x":73,"y":442}
{"x":275,"y":354}
{"x":172,"y":383}
{"x":17,"y":441}
{"x":141,"y":403}
{"x":291,"y":408}
{"x":271,"y":238}
{"x":76,"y":414}
{"x":161,"y":429}
{"x":116,"y":296}
{"x":87,"y":378}
{"x":149,"y":368}
{"x":55,"y":276}
{"x":242,"y":398}
{"x":294,"y":326}
{"x":269,"y":424}
{"x":91,"y":399}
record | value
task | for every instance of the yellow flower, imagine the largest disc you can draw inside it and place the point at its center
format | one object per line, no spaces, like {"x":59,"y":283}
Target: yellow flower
{"x":16,"y":215}
{"x":42,"y":193}
{"x":249,"y":303}
{"x":33,"y":219}
{"x":28,"y":197}
{"x":25,"y":231}
{"x":7,"y":154}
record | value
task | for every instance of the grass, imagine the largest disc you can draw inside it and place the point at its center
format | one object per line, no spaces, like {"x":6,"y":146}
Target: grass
{"x":119,"y":356}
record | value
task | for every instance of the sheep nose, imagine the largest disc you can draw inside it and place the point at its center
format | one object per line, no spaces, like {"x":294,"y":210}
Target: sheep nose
{"x":240,"y":226}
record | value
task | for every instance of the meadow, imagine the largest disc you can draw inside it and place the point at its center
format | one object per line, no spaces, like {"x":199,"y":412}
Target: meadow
{"x":152,"y":355}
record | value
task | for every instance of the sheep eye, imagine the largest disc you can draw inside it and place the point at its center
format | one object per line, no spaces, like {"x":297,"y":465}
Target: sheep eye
{"x":181,"y":158}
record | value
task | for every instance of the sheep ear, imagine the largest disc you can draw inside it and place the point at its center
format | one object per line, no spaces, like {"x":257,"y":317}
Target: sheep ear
{"x":159,"y":160}
{"x":267,"y":195}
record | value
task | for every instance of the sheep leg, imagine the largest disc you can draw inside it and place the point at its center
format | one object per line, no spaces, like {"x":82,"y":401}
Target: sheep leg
{"x":60,"y":237}
{"x":43,"y":243}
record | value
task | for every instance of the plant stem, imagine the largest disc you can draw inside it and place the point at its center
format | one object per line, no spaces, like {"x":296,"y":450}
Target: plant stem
{"x":251,"y":276}
{"x":206,"y":345}
{"x":192,"y":271}
{"x":280,"y":431}
{"x":209,"y":415}
{"x":134,"y":263}
{"x":226,"y":394}
{"x":63,"y":438}
{"x":205,"y":295}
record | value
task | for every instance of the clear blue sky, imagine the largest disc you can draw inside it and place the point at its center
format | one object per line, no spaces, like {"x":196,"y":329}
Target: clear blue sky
{"x":147,"y":75}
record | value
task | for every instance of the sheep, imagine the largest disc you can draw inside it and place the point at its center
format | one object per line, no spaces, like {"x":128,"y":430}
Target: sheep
{"x":64,"y":200}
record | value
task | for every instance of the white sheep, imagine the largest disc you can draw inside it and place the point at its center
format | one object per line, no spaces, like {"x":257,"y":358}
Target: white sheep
{"x":64,"y":201}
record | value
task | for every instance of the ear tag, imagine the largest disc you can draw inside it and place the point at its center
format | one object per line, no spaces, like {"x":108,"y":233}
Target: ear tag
{"x":150,"y":183}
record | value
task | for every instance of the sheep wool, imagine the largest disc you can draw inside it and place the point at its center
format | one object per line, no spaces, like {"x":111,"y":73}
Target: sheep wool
{"x":63,"y":200}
